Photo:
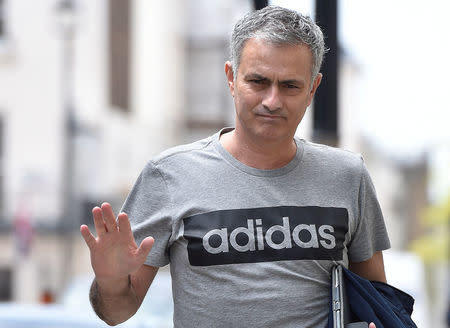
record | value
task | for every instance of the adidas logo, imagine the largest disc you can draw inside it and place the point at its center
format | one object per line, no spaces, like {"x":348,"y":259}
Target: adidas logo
{"x":266,"y":234}
{"x":303,"y":235}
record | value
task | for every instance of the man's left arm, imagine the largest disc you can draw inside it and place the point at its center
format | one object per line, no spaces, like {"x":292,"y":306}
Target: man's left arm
{"x":371,"y":269}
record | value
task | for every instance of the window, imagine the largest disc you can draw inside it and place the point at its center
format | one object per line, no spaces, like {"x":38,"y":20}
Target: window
{"x":5,"y":284}
{"x":2,"y":19}
{"x":206,"y":92}
{"x":119,"y":54}
{"x":209,"y":105}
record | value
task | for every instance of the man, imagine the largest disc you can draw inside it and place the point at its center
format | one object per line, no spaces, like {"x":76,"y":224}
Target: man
{"x":251,"y":219}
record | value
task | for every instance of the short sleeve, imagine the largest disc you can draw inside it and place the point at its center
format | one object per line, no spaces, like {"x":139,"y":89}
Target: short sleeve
{"x":147,"y":206}
{"x":370,"y":235}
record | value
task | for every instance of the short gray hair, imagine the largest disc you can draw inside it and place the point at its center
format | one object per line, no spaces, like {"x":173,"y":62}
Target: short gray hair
{"x":280,"y":26}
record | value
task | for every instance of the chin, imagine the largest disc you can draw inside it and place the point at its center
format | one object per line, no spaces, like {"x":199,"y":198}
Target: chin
{"x":271,"y":135}
{"x":268,"y":132}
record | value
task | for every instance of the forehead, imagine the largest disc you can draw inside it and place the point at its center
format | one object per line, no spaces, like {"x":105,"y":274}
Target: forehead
{"x":278,"y":60}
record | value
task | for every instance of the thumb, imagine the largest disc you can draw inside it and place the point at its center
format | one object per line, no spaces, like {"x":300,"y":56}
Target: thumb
{"x":145,"y":247}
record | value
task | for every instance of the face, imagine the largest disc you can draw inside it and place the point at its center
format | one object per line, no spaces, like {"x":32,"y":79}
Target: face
{"x":272,"y":90}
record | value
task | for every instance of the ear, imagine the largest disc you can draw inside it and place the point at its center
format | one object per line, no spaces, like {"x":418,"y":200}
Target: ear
{"x":315,"y":85}
{"x":230,"y":76}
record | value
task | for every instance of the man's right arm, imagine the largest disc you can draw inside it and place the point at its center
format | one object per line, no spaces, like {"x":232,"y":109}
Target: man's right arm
{"x":121,"y":277}
{"x":116,"y":301}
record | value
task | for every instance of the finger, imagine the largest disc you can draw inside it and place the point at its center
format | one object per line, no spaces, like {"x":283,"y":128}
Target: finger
{"x":372,"y":325}
{"x":99,"y":224}
{"x":145,"y":247}
{"x":109,"y":218}
{"x":88,"y":237}
{"x":124,"y":224}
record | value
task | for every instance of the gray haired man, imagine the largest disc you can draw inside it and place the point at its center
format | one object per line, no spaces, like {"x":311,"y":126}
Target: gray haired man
{"x":251,"y":219}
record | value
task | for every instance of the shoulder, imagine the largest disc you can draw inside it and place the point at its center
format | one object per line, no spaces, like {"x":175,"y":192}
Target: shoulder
{"x":326,"y":156}
{"x":181,"y":153}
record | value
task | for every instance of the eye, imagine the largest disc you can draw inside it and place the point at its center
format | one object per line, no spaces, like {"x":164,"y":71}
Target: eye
{"x":257,"y":81}
{"x":291,"y":86}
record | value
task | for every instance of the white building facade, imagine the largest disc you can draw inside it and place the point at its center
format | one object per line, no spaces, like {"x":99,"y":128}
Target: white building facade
{"x":124,"y":72}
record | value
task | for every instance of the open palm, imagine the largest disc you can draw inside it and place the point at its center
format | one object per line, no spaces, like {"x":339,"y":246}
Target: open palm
{"x":114,"y":252}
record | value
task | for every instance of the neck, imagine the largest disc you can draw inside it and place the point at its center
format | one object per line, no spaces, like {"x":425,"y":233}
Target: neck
{"x":262,"y":155}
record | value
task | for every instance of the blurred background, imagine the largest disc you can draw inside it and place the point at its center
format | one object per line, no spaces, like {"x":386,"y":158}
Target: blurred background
{"x":91,"y":90}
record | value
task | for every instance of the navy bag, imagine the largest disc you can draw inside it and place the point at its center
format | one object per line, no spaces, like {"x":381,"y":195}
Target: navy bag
{"x":377,"y":302}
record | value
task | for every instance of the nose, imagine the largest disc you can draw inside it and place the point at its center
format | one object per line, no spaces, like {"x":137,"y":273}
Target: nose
{"x":272,"y":98}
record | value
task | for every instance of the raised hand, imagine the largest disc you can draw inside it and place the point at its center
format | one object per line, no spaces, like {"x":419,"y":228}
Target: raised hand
{"x":114,"y":252}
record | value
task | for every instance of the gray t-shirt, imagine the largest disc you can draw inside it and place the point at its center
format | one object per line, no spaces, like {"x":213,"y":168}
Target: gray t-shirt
{"x":250,"y":247}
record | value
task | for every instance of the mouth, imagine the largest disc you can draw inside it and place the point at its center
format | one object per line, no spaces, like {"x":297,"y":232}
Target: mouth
{"x":269,"y":116}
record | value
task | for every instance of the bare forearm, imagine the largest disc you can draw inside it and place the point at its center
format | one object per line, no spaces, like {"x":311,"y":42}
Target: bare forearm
{"x":372,"y":269}
{"x":114,"y":303}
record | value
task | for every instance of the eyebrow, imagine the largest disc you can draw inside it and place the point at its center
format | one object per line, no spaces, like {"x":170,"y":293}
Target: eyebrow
{"x":293,"y":81}
{"x":261,"y":77}
{"x":255,"y":76}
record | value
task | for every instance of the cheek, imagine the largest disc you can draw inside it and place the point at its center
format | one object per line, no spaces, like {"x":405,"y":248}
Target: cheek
{"x":300,"y":116}
{"x":245,"y":102}
{"x":297,"y":110}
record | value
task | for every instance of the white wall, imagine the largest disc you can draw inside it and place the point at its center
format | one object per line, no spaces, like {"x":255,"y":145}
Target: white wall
{"x":117,"y":145}
{"x":30,"y":106}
